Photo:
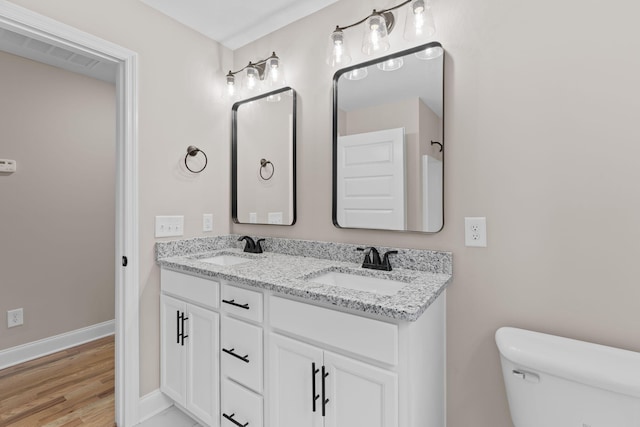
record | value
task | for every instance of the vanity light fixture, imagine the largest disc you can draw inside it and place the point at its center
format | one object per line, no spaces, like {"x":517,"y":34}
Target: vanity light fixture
{"x":268,"y":70}
{"x":378,"y":25}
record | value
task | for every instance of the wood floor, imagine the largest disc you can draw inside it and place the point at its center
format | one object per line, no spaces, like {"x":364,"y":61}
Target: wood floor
{"x":71,"y":388}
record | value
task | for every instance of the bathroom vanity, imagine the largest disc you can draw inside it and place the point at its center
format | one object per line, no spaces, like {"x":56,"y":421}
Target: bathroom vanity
{"x":266,"y":340}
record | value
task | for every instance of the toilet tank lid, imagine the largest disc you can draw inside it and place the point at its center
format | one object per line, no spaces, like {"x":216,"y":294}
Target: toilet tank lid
{"x":587,"y":363}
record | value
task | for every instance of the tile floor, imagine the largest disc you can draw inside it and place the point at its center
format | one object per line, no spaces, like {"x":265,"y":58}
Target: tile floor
{"x":171,"y":417}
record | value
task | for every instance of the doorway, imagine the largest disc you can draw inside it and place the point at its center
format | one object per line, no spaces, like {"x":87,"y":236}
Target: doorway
{"x":23,"y":22}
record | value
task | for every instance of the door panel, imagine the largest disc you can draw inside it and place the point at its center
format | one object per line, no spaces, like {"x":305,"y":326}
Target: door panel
{"x":359,"y":394}
{"x":291,"y":383}
{"x":173,"y":359}
{"x":371,"y":180}
{"x":203,"y":362}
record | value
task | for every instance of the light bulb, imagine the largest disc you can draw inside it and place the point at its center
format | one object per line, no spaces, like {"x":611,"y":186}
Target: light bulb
{"x":252,"y":77}
{"x":375,"y":35}
{"x":231,"y":84}
{"x":419,"y":23}
{"x":337,"y":50}
{"x":273,"y":69}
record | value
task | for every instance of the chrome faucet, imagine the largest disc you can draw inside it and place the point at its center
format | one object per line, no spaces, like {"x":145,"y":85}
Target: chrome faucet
{"x":251,"y":246}
{"x":372,"y":259}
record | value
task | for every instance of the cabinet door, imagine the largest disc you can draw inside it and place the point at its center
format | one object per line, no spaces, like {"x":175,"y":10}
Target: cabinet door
{"x":291,"y":383}
{"x":359,"y":394}
{"x":173,"y":355}
{"x":203,"y":383}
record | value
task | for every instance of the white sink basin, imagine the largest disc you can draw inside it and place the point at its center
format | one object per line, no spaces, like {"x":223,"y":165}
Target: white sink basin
{"x":361,"y":283}
{"x":225,"y":260}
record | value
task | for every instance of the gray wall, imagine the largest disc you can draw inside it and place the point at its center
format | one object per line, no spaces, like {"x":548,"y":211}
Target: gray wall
{"x":541,"y":137}
{"x":57,"y":215}
{"x":181,"y":80}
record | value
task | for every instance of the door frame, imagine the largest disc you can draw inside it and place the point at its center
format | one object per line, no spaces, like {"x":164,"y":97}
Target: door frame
{"x":127,"y":372}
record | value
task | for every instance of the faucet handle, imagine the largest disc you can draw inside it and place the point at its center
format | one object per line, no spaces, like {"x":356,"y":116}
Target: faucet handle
{"x":258,"y":247}
{"x":367,"y":251}
{"x":385,"y":260}
{"x":375,"y":257}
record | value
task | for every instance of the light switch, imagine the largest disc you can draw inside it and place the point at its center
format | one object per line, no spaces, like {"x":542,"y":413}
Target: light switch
{"x":7,"y":165}
{"x":169,"y":226}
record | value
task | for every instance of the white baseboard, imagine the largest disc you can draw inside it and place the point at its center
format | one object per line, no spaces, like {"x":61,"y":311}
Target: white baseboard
{"x":152,"y":404}
{"x":33,"y":350}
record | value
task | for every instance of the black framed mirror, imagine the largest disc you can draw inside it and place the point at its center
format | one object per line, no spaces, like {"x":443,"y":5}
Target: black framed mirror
{"x":388,"y":142}
{"x":263,"y":166}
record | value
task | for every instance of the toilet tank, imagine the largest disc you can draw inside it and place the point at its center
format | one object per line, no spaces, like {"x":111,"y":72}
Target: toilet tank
{"x":559,"y":382}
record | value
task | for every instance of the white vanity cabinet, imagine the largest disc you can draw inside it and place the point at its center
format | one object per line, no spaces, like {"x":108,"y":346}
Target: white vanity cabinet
{"x":329,"y":389}
{"x":314,"y":388}
{"x":329,"y":368}
{"x":189,"y":344}
{"x":252,"y":356}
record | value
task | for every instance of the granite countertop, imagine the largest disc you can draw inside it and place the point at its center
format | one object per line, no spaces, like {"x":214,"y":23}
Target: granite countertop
{"x":290,"y":274}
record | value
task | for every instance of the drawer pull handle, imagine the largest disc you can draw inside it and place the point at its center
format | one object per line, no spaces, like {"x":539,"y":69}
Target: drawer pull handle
{"x":324,"y":401}
{"x":230,"y":418}
{"x":235,"y":304}
{"x":244,"y":358}
{"x":314,"y":396}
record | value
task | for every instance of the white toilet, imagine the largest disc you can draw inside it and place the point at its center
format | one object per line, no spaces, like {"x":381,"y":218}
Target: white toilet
{"x":560,"y":382}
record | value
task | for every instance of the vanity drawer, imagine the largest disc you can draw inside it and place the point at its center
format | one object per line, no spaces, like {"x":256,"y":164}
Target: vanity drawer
{"x":196,"y":289}
{"x":241,"y":352}
{"x":241,"y":405}
{"x":242,"y":302}
{"x":367,"y":337}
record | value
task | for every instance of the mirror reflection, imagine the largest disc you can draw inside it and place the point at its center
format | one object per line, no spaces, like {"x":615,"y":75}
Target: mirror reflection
{"x":263,"y":159}
{"x":387,"y":142}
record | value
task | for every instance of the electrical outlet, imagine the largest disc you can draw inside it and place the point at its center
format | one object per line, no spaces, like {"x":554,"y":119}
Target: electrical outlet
{"x":207,"y":222}
{"x":475,"y":232}
{"x":15,"y":317}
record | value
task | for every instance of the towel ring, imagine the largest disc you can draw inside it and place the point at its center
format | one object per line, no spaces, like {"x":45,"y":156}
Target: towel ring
{"x":437,"y":143}
{"x":263,"y":165}
{"x":193,"y":151}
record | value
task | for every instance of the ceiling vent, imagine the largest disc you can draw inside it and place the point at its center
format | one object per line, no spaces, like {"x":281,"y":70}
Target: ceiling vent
{"x":40,"y":51}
